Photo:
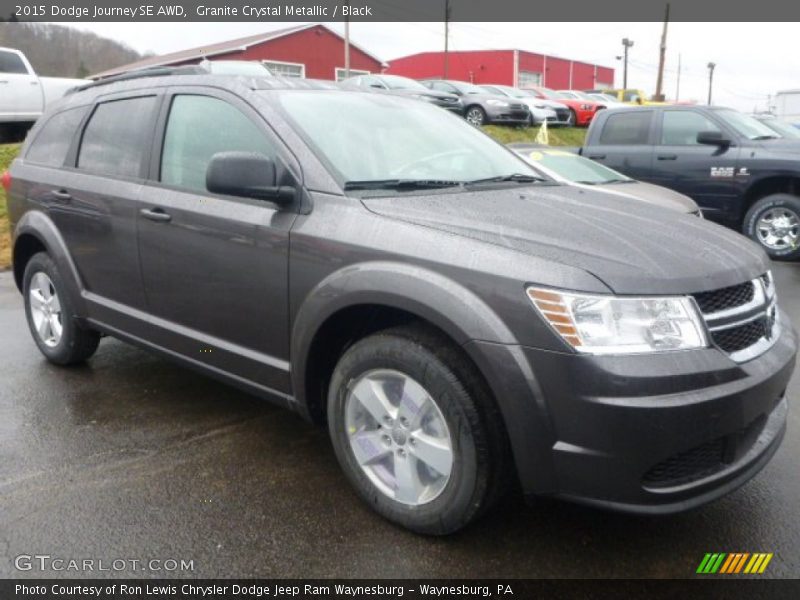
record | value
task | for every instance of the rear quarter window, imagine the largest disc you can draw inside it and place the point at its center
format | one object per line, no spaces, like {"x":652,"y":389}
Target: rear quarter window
{"x":12,"y":63}
{"x":51,"y":144}
{"x":626,"y":128}
{"x":118,"y":137}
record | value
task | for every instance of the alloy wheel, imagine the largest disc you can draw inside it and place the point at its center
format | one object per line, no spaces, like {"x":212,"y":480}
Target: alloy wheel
{"x":475,"y":116}
{"x":779,"y":228}
{"x":398,"y":436}
{"x":45,"y":309}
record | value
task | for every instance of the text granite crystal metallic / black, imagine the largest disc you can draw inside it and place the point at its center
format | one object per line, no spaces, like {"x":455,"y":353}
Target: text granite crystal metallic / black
{"x":377,"y":264}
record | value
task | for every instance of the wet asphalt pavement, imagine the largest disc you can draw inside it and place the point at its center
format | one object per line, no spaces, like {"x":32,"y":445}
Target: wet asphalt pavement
{"x":132,"y":457}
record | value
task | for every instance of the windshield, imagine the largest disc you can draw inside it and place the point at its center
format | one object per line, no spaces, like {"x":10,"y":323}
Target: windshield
{"x":572,"y":167}
{"x":514,"y":92}
{"x":394,"y":82}
{"x":782,"y":128}
{"x":378,"y":137}
{"x":468,"y":88}
{"x":552,"y":94}
{"x":746,"y":125}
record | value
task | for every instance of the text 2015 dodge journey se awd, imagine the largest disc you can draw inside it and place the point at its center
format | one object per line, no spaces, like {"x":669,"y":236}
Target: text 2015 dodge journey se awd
{"x":379,"y":265}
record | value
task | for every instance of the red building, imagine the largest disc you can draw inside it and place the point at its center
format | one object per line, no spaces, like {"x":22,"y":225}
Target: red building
{"x":312,"y":51}
{"x":508,"y":67}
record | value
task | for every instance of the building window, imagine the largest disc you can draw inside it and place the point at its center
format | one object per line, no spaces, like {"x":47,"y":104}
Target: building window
{"x":528,"y":78}
{"x":285,"y":69}
{"x":340,"y":73}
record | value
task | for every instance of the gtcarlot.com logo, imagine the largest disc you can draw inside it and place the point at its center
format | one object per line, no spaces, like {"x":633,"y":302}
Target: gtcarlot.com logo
{"x":734,"y":563}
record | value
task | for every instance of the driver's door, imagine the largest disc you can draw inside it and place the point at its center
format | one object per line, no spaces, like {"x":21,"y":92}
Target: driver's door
{"x":215,"y":268}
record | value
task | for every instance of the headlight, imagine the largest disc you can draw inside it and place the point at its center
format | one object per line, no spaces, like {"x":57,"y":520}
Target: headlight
{"x":540,"y":105}
{"x":497,"y":103}
{"x":596,"y":324}
{"x":586,"y":107}
{"x":423,"y":97}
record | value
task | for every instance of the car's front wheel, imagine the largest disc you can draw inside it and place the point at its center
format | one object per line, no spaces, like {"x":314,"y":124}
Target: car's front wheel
{"x":572,"y":119}
{"x":475,"y":116}
{"x":415,"y":430}
{"x":50,"y":315}
{"x":774,"y":223}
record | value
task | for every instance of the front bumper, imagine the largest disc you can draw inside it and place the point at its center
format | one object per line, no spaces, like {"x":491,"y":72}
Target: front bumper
{"x":499,"y":114}
{"x":646,"y":433}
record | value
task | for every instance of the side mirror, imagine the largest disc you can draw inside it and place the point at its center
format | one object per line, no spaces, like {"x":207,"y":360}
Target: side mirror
{"x":712,"y":138}
{"x":246,"y":175}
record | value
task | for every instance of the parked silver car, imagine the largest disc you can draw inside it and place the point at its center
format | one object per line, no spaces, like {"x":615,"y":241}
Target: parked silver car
{"x":482,"y":107}
{"x":542,"y":109}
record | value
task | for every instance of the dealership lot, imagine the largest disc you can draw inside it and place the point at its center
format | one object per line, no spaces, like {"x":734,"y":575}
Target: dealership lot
{"x":134,"y":458}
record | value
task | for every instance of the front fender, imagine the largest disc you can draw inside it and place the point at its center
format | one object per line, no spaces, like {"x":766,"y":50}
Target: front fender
{"x":37,"y":224}
{"x":451,"y":307}
{"x":466,"y":319}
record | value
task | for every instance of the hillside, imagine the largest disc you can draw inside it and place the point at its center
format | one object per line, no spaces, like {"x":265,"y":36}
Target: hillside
{"x":58,"y":51}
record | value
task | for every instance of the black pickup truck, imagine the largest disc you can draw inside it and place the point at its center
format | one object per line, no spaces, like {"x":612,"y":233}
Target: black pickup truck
{"x":740,"y":172}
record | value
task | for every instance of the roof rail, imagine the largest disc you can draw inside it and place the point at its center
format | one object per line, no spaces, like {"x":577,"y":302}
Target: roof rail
{"x":140,"y":74}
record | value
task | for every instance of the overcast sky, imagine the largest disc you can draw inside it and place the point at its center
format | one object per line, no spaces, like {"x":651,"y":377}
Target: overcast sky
{"x":753,"y":60}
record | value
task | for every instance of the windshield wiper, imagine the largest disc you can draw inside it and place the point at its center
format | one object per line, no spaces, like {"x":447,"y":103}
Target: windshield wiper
{"x":765,"y":137}
{"x":516,"y":177}
{"x":400,"y":184}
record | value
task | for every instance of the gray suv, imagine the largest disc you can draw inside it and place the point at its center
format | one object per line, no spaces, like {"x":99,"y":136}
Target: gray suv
{"x":382,"y":268}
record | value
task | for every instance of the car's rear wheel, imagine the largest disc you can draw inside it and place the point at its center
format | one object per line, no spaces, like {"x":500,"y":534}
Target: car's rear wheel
{"x":51,"y":317}
{"x":414,"y":430}
{"x":475,"y":116}
{"x":774,"y":223}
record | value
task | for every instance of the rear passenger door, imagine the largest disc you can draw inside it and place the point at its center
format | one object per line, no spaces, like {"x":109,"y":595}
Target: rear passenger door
{"x":625,"y":143}
{"x":215,"y":268}
{"x":93,"y":198}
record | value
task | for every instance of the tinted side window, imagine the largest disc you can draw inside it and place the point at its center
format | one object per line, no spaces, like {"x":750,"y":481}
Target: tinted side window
{"x":11,"y":63}
{"x":680,"y":128}
{"x":626,"y":128}
{"x":117,"y":137}
{"x":198,"y":128}
{"x":52,"y":143}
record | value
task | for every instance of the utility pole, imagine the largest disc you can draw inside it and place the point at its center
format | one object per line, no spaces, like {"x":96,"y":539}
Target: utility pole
{"x":446,"y":36}
{"x":678,"y":87}
{"x":711,"y":66}
{"x":627,"y":44}
{"x":659,"y":96}
{"x":347,"y":44}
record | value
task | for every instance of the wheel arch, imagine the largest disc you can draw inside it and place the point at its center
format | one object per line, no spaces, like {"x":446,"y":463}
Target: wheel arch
{"x":36,"y":232}
{"x":357,"y":301}
{"x":766,"y":186}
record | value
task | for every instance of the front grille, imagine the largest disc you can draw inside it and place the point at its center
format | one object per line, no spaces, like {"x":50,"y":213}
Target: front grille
{"x":563,"y":114}
{"x":743,"y":336}
{"x":725,"y":298}
{"x":706,"y":459}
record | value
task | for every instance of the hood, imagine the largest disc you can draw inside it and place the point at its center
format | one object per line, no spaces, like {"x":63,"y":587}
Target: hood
{"x":633,"y":247}
{"x":654,"y":194}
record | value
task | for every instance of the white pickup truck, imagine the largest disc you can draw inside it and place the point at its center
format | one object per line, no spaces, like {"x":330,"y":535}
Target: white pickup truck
{"x":24,"y":95}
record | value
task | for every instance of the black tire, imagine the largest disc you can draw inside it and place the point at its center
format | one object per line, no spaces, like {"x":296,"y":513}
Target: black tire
{"x":76,"y":343}
{"x":572,"y":120}
{"x":481,"y":468}
{"x":478,"y":115}
{"x":785,"y":202}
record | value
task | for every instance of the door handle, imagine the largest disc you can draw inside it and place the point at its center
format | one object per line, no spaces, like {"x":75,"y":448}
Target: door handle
{"x":155,"y":214}
{"x":597,"y":156}
{"x":667,"y":157}
{"x":62,"y":196}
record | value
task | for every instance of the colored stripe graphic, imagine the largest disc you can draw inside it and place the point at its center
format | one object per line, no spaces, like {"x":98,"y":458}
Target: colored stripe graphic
{"x":734,"y":562}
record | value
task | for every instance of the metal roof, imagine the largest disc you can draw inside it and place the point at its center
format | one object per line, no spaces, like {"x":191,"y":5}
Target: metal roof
{"x":219,"y":48}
